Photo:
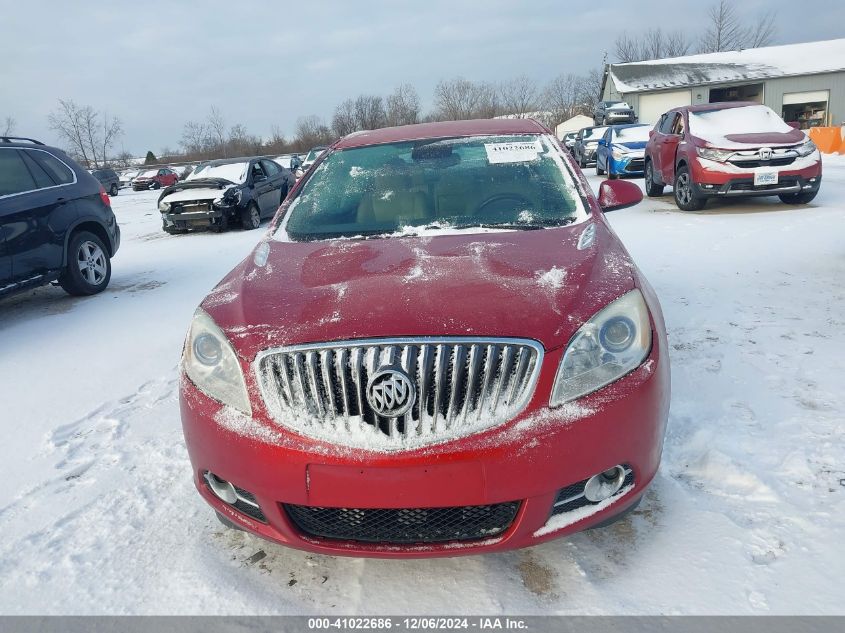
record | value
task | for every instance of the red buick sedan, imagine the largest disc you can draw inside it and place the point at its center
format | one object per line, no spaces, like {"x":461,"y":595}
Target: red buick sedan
{"x":439,"y":348}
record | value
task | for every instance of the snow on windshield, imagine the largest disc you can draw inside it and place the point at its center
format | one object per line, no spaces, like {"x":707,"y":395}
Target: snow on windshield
{"x":594,"y":134}
{"x":622,"y":105}
{"x":233,"y":172}
{"x":149,"y":174}
{"x":714,"y":125}
{"x":433,"y":187}
{"x":638,"y":134}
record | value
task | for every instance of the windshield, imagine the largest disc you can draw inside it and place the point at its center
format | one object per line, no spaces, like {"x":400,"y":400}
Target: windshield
{"x":150,"y":173}
{"x":482,"y":182}
{"x":233,"y":172}
{"x":755,"y":119}
{"x":636,"y":134}
{"x":314,"y":154}
{"x":618,"y":105}
{"x":594,"y":133}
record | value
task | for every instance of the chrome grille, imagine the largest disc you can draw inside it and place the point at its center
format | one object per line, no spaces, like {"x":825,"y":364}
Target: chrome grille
{"x":461,"y":386}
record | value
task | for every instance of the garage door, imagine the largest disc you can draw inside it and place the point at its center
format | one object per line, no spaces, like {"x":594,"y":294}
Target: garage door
{"x":653,"y":106}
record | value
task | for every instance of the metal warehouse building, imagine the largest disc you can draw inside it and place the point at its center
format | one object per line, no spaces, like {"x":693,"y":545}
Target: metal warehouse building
{"x":804,"y":83}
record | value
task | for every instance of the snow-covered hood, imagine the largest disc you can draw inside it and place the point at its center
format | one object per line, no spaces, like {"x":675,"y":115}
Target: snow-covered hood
{"x":532,"y":284}
{"x":753,"y":141}
{"x":634,"y":145}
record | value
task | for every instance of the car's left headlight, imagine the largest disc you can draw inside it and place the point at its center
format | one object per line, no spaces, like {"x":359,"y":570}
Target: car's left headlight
{"x":610,"y":345}
{"x":806,"y":149}
{"x":210,"y":362}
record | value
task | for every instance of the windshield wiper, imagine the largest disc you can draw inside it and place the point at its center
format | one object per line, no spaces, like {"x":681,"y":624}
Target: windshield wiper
{"x":516,"y":226}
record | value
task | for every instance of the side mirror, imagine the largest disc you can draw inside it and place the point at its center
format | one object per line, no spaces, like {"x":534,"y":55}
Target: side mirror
{"x":618,"y":194}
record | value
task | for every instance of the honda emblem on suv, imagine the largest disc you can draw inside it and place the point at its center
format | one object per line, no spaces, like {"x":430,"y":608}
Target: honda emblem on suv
{"x":390,"y":392}
{"x":765,"y":153}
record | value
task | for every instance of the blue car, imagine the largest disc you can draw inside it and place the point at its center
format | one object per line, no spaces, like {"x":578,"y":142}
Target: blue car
{"x":621,"y":150}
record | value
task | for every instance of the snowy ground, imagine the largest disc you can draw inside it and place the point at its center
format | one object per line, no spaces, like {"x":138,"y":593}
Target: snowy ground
{"x":747,"y":515}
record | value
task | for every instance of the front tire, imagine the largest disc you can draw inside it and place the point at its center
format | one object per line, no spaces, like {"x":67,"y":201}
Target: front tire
{"x":652,"y":189}
{"x":802,"y":197}
{"x":113,"y":191}
{"x":156,"y":185}
{"x":599,"y":170}
{"x":685,"y":196}
{"x":88,"y":269}
{"x":251,"y":217}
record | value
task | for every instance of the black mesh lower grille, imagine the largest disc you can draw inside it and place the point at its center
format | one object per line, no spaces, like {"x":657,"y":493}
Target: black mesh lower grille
{"x":407,"y":525}
{"x":572,"y":497}
{"x":250,"y":510}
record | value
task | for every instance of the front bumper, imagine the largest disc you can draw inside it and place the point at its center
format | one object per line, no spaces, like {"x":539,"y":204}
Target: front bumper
{"x":627,"y":165}
{"x":623,"y":117}
{"x":588,"y":154}
{"x":714,"y":179}
{"x":529,"y":460}
{"x":195,"y":219}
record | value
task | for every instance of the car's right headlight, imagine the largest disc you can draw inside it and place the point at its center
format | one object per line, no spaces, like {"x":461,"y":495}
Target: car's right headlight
{"x":164,"y":207}
{"x":211,"y":363}
{"x":610,"y":345}
{"x":719,"y":155}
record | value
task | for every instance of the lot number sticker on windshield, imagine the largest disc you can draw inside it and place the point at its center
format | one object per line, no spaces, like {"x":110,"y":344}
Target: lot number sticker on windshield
{"x":512,"y":152}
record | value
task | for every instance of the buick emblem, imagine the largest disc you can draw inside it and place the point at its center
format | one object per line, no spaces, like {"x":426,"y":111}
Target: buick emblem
{"x":390,"y":392}
{"x":765,"y":153}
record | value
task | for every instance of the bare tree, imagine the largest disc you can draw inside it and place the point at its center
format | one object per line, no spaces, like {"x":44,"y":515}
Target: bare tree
{"x":653,"y":44}
{"x":677,"y":44}
{"x":403,"y":106}
{"x":9,"y":126}
{"x":519,"y":96}
{"x":310,"y":132}
{"x":764,"y":31}
{"x":344,"y":120}
{"x":195,"y":138}
{"x":111,"y":129}
{"x":88,"y":135}
{"x":627,"y":49}
{"x":242,"y":143}
{"x":725,"y":30}
{"x":217,"y":128}
{"x":460,"y":98}
{"x":561,"y":98}
{"x":369,"y":112}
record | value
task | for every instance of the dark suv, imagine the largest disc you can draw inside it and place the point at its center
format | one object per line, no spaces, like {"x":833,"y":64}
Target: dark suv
{"x":611,"y":112}
{"x":56,"y":221}
{"x":108,"y":178}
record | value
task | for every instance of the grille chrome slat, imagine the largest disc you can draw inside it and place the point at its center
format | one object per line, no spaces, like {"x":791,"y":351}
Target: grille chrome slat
{"x":462,"y":386}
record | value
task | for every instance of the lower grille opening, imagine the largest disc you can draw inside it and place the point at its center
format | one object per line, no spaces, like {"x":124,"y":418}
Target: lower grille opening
{"x":241,"y":500}
{"x":572,"y":497}
{"x":404,"y":525}
{"x":247,"y":504}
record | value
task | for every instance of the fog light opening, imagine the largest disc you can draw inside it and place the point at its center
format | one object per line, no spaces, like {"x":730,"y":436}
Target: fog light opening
{"x":221,"y":488}
{"x":606,"y":484}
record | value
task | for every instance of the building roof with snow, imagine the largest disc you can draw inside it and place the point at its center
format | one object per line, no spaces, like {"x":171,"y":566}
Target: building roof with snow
{"x":729,"y":66}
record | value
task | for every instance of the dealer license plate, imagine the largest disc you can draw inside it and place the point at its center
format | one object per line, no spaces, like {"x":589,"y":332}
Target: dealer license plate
{"x":766,"y":177}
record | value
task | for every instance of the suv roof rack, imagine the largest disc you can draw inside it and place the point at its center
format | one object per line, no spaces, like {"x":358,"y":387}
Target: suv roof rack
{"x":13,"y":139}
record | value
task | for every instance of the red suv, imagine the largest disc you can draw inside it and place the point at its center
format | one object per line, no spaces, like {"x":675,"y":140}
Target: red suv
{"x":728,"y":150}
{"x":439,"y":348}
{"x":155,"y":179}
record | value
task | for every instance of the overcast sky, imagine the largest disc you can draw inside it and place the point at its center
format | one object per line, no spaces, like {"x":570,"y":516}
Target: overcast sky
{"x":157,"y":64}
